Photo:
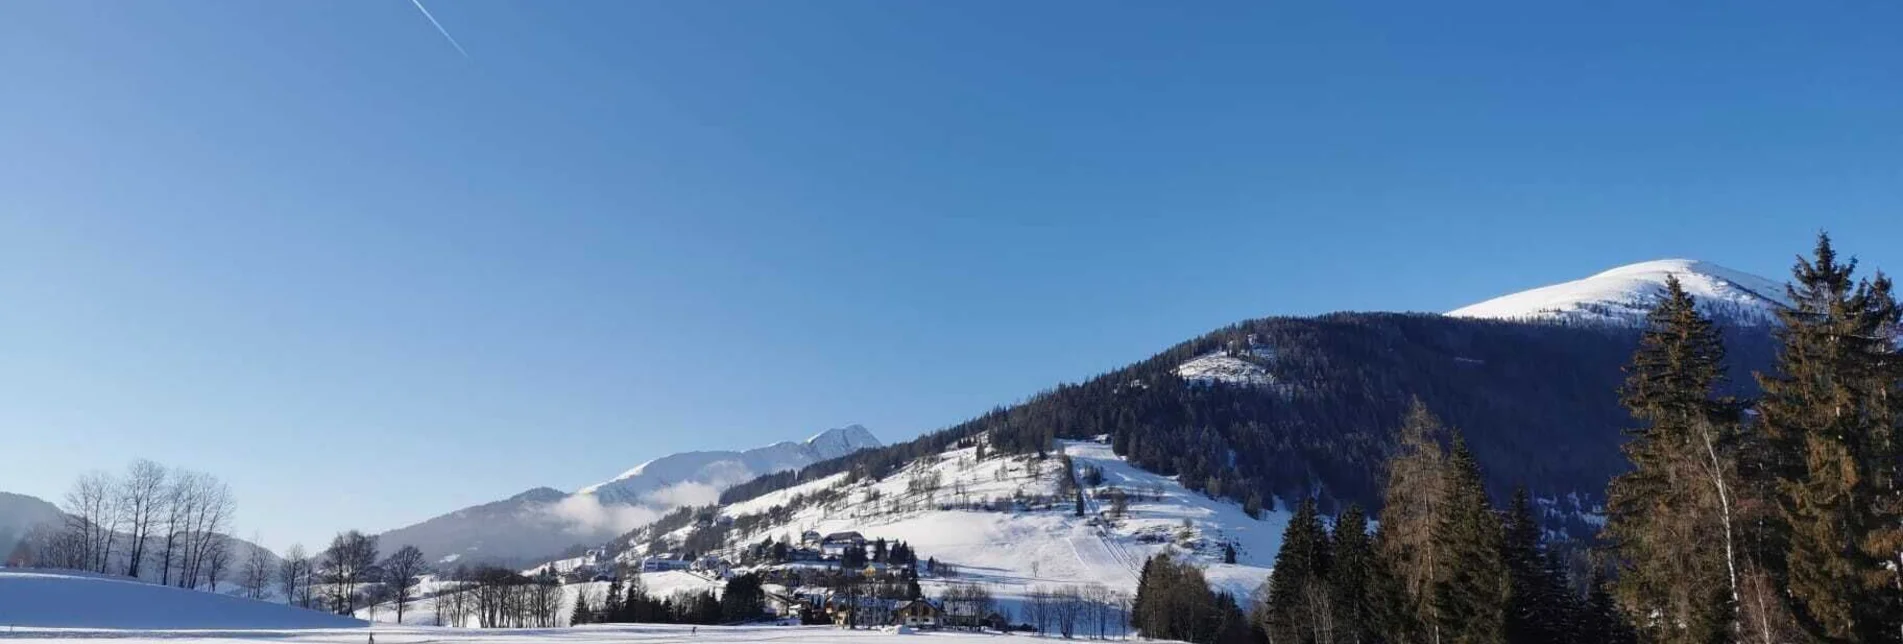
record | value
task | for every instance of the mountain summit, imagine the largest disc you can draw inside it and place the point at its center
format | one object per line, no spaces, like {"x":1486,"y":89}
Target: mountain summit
{"x":1623,"y":296}
{"x":718,"y":470}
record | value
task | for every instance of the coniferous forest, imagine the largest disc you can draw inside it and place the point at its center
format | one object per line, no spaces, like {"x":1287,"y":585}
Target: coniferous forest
{"x":1770,"y":519}
{"x":1537,"y":402}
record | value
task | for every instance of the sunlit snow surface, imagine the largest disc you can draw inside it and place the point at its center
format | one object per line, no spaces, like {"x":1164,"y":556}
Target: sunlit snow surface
{"x":1623,"y":295}
{"x":31,"y":598}
{"x":616,"y":633}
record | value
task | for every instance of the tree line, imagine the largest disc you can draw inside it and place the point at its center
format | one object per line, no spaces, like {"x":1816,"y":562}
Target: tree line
{"x":628,"y":601}
{"x":152,"y":522}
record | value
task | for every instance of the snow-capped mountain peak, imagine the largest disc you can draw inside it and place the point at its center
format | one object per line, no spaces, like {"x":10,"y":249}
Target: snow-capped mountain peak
{"x":1623,"y":295}
{"x":718,"y":470}
{"x":837,"y":442}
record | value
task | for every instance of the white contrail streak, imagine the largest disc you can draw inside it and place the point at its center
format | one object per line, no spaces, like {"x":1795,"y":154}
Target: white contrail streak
{"x":439,"y":28}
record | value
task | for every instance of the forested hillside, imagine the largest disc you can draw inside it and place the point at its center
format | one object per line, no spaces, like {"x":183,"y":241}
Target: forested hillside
{"x":1309,"y":406}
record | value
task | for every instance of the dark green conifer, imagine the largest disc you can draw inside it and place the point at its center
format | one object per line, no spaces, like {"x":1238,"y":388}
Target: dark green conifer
{"x":1299,"y":607}
{"x":1470,"y":600}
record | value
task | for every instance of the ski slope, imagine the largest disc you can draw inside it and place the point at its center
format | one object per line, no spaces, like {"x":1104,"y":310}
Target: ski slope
{"x":49,"y":599}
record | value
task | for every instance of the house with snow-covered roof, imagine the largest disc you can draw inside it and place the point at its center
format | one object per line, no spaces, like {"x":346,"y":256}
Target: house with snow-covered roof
{"x":837,"y":543}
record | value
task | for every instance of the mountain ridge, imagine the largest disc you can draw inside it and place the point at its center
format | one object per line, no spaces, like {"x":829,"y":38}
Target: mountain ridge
{"x":1622,"y":295}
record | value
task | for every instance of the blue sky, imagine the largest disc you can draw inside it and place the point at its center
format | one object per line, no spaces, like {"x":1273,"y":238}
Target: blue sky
{"x":312,"y":249}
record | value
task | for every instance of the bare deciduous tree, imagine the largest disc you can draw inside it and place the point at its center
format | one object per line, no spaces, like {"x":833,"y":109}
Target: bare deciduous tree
{"x":254,"y":578}
{"x":141,"y":497}
{"x":349,"y":561}
{"x":294,"y":577}
{"x":400,"y":572}
{"x":92,"y":517}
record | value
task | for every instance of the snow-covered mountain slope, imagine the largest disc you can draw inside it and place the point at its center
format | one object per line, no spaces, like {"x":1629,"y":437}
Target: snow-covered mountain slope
{"x":718,"y":470}
{"x":1623,"y":295}
{"x":531,"y":526}
{"x":1006,"y":522}
{"x":19,"y":515}
{"x":79,"y":600}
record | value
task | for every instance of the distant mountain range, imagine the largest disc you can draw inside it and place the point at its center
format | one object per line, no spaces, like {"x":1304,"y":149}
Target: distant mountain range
{"x":542,"y":522}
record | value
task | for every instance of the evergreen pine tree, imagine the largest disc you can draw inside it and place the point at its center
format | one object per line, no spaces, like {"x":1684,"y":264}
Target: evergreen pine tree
{"x":612,"y":608}
{"x":1393,"y":616}
{"x":1348,"y":577}
{"x":1533,"y":613}
{"x":1470,"y":598}
{"x":1672,"y":516}
{"x":1299,"y":607}
{"x":1600,"y":620}
{"x":1829,"y":417}
{"x":583,"y":614}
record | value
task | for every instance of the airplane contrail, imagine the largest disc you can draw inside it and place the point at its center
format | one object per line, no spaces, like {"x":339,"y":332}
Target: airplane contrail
{"x":439,"y":28}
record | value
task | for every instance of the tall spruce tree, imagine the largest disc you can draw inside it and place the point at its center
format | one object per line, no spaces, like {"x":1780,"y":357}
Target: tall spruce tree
{"x":1470,"y":597}
{"x":1301,"y":608}
{"x":1830,"y":419}
{"x":1671,"y":518}
{"x":1600,"y":620}
{"x":1534,"y":614}
{"x":1349,"y":575}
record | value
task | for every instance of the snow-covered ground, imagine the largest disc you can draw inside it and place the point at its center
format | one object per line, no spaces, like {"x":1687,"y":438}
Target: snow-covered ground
{"x":1020,"y":549}
{"x":1222,"y":367}
{"x":658,"y":584}
{"x":48,"y":599}
{"x":617,"y":633}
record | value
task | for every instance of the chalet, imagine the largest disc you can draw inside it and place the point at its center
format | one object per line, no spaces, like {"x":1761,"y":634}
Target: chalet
{"x":662,"y":563}
{"x":809,"y":537}
{"x":836,"y":544}
{"x":859,"y":611}
{"x":917,"y":613}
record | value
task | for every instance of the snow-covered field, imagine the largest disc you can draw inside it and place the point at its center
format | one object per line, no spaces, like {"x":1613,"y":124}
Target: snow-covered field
{"x":619,"y":633}
{"x":46,"y":599}
{"x":61,"y":607}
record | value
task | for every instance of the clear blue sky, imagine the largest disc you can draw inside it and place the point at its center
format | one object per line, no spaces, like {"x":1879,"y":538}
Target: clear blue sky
{"x":309,"y":247}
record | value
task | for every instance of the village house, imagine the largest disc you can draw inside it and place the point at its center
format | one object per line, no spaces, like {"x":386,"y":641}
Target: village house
{"x":662,"y":563}
{"x":836,"y":544}
{"x":918,"y":613}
